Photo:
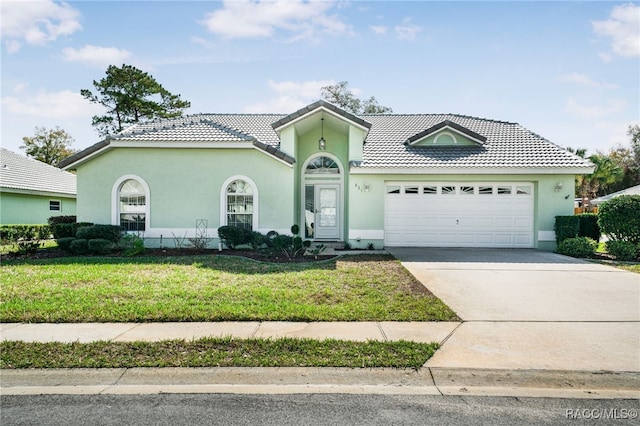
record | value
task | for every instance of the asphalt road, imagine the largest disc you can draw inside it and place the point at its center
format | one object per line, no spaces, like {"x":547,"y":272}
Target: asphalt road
{"x":309,"y":409}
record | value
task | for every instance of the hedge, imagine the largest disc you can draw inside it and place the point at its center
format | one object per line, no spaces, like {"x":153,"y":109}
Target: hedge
{"x":13,"y":233}
{"x":589,"y":226}
{"x":582,"y":225}
{"x":566,"y":227}
{"x":619,"y":218}
{"x":111,"y":233}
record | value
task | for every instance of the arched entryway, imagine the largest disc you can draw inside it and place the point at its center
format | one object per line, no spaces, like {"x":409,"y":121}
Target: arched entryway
{"x":322,"y":178}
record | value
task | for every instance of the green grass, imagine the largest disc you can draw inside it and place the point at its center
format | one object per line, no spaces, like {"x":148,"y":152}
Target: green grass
{"x":213,"y":288}
{"x":13,"y":248}
{"x":629,"y":267}
{"x":217,"y":352}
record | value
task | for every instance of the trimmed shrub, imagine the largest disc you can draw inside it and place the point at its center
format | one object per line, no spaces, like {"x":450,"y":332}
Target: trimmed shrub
{"x":111,"y":233}
{"x":589,"y":226}
{"x":99,"y":246}
{"x":623,"y":250}
{"x":577,"y":247}
{"x":28,"y":246}
{"x":233,"y":236}
{"x":619,"y":218}
{"x":65,"y":243}
{"x":64,"y":230}
{"x":566,"y":227}
{"x":257,"y":240}
{"x":54,"y":220}
{"x":79,"y":246}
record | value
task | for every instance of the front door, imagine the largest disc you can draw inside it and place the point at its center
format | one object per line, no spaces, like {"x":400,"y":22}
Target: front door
{"x":322,"y":211}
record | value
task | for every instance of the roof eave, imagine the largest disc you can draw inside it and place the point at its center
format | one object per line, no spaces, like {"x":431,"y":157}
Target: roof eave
{"x":446,"y":124}
{"x":319,"y":105}
{"x":80,"y":157}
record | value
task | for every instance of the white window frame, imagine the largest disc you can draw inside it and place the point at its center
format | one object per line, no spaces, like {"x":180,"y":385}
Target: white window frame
{"x":223,"y":200}
{"x":115,"y":201}
{"x":59,"y":209}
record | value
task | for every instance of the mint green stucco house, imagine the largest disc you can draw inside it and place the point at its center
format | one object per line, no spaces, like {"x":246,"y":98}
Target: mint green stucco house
{"x":439,"y":180}
{"x":32,"y":191}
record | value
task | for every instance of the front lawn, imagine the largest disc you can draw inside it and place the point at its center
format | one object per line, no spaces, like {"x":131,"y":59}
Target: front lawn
{"x":217,"y":352}
{"x":213,"y":288}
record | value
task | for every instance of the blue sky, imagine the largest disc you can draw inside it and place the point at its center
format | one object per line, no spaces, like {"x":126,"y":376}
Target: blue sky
{"x":569,"y":71}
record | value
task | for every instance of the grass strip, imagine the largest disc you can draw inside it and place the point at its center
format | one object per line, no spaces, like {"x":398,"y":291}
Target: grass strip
{"x":213,"y":288}
{"x":217,"y":352}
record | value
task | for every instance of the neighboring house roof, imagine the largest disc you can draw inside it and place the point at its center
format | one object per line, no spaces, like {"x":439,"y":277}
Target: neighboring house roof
{"x":634,"y":190}
{"x":22,"y":174}
{"x":388,"y":143}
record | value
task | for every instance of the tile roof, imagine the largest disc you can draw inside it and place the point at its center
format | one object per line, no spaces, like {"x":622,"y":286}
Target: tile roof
{"x":504,"y":144}
{"x":207,"y":127}
{"x":22,"y":173}
{"x":507,"y":145}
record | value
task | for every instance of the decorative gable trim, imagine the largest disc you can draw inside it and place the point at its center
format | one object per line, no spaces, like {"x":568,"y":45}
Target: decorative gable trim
{"x":324,"y":106}
{"x":444,"y":126}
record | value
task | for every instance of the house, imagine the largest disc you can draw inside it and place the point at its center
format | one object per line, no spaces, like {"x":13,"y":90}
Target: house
{"x":32,"y":191}
{"x":634,"y":190}
{"x":440,"y":180}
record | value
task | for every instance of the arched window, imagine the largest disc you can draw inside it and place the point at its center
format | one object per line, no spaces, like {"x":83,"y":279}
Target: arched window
{"x":239,"y":204}
{"x":132,"y":207}
{"x":322,"y":165}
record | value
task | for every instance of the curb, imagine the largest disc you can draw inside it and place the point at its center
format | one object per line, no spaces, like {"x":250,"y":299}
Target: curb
{"x":295,"y":380}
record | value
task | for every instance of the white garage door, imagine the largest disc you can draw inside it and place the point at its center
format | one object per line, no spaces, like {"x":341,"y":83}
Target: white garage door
{"x":447,"y":214}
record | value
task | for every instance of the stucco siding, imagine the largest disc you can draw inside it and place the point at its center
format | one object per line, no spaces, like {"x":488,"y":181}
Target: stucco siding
{"x":32,"y":209}
{"x":185,"y":185}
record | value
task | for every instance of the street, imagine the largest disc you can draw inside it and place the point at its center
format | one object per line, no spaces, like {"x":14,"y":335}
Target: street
{"x":309,"y":409}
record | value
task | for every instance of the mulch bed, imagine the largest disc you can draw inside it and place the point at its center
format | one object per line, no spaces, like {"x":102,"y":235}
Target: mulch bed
{"x":172,"y":252}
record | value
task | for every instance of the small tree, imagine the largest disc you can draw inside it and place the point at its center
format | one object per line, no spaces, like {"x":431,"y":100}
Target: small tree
{"x":49,"y":146}
{"x":131,"y":96}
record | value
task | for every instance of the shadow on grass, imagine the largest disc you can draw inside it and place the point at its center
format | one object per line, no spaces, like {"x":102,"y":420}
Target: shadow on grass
{"x":235,"y":263}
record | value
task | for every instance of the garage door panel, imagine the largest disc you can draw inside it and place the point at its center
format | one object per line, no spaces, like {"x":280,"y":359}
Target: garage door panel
{"x":492,"y":215}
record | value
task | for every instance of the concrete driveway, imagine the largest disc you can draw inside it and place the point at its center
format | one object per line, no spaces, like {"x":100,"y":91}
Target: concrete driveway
{"x":529,"y":309}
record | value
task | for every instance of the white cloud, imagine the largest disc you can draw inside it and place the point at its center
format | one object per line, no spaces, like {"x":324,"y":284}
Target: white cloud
{"x":36,"y":22}
{"x":291,"y":95}
{"x":623,"y":26}
{"x":62,"y":105}
{"x":583,"y":80}
{"x":95,"y":55}
{"x":407,"y":30}
{"x":19,"y":87}
{"x":254,"y":19}
{"x":582,"y":110}
{"x":378,"y":29}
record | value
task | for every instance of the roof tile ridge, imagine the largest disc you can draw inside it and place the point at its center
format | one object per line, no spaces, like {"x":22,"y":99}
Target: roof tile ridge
{"x":234,"y":131}
{"x":490,"y":120}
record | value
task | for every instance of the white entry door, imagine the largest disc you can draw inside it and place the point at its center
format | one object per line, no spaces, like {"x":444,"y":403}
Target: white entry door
{"x":323,"y":216}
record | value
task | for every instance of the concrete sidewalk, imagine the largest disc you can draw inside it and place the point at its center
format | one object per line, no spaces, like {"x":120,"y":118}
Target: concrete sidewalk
{"x":430,"y":380}
{"x":535,"y":324}
{"x":426,"y":332}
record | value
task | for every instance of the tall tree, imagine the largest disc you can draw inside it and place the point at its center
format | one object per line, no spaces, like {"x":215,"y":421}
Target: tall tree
{"x":606,"y":173}
{"x":131,"y":96}
{"x":338,"y":94}
{"x":49,"y":146}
